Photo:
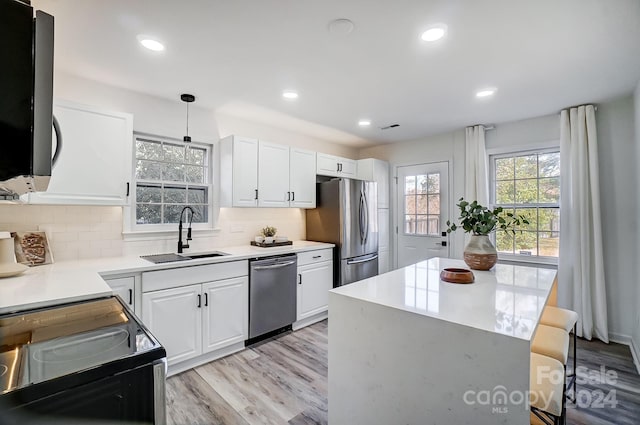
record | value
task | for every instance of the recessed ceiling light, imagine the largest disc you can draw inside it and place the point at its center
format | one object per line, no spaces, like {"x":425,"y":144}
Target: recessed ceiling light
{"x":150,"y":43}
{"x":486,"y":92}
{"x":289,"y":94}
{"x":434,"y":33}
{"x":364,"y":123}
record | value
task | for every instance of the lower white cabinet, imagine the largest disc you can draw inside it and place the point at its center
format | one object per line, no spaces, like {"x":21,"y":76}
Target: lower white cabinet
{"x":125,"y":288}
{"x":384,"y":258}
{"x":314,"y":283}
{"x":197,"y":319}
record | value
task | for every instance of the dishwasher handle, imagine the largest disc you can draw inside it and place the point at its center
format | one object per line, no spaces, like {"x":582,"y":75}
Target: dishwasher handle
{"x":274,"y":266}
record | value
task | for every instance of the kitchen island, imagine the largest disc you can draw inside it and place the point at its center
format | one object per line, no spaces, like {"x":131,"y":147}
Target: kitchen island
{"x":408,"y":348}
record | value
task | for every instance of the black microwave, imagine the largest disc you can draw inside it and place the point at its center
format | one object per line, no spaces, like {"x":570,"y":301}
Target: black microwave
{"x":26,"y":97}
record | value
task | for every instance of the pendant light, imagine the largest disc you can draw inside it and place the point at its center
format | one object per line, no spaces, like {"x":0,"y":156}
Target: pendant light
{"x":187,"y":98}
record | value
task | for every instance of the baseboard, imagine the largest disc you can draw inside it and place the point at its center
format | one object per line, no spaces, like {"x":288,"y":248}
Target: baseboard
{"x":310,"y":320}
{"x":633,"y":346}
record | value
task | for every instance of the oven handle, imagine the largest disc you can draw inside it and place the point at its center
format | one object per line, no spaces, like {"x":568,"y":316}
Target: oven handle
{"x":275,"y":266}
{"x":350,"y":262}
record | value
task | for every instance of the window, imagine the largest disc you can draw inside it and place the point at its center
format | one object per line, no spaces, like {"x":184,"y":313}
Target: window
{"x":422,"y":204}
{"x":529,"y":184}
{"x":170,"y":175}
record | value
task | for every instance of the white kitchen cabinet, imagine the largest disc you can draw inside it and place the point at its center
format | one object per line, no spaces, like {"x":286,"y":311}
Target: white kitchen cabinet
{"x":257,"y":173}
{"x":384,"y":258}
{"x":225,"y":314}
{"x":173,"y":316}
{"x":302,"y":178}
{"x":273,"y":175}
{"x":376,"y":170}
{"x":335,"y":166}
{"x":315,"y":280}
{"x":238,"y":172}
{"x":125,"y":288}
{"x":94,"y":164}
{"x":384,"y":241}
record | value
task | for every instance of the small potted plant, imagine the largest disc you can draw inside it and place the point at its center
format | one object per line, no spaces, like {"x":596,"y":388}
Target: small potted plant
{"x":269,"y":232}
{"x":480,"y":254}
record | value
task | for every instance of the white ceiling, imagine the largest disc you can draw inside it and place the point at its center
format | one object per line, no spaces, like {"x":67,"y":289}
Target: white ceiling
{"x":542,"y":55}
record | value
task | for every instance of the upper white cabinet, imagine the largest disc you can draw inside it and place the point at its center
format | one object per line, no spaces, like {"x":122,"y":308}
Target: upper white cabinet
{"x":335,"y":166}
{"x":263,"y":174}
{"x":94,"y":163}
{"x":376,"y":170}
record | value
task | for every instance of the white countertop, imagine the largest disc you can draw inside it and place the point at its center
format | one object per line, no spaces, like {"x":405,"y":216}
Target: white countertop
{"x":79,"y":280}
{"x":506,"y":300}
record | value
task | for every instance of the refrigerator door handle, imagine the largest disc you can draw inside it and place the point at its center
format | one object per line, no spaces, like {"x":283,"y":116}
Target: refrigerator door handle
{"x":350,"y":262}
{"x":361,"y":217}
{"x":365,"y":205}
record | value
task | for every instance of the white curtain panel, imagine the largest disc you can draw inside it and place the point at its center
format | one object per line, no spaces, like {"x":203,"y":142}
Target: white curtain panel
{"x":581,"y":284}
{"x":476,"y":185}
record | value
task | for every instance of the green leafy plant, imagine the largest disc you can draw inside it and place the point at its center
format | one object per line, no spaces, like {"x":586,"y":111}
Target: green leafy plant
{"x":269,"y":231}
{"x":479,"y":220}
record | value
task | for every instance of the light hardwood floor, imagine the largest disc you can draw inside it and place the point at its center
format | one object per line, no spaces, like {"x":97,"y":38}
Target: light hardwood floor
{"x":284,"y":381}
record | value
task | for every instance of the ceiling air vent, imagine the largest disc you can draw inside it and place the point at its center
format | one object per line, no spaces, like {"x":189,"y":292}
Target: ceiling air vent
{"x":390,"y":126}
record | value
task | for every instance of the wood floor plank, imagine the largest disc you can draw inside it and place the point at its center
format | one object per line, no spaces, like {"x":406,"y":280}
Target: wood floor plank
{"x":284,"y":381}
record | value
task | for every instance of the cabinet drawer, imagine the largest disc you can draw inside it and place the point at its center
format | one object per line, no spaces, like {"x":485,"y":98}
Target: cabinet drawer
{"x":318,"y":256}
{"x":182,"y":276}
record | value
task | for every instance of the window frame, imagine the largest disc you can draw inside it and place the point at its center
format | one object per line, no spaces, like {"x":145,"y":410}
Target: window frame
{"x":134,"y":227}
{"x":529,"y":150}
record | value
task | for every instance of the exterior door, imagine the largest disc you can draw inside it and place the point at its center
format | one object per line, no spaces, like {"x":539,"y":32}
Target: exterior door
{"x":423,"y":211}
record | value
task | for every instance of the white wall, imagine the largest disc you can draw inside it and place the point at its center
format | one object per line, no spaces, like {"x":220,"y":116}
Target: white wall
{"x":84,"y":232}
{"x":636,"y":309}
{"x":619,"y":196}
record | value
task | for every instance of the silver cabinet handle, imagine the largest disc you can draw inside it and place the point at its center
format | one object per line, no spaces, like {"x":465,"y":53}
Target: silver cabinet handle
{"x":275,"y":266}
{"x":362,"y":261}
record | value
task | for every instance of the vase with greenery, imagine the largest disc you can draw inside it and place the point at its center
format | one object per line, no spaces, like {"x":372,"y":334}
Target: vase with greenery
{"x":269,"y":232}
{"x":480,"y":221}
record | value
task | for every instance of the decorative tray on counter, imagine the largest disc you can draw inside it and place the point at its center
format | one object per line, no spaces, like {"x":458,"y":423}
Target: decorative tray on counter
{"x":272,"y":244}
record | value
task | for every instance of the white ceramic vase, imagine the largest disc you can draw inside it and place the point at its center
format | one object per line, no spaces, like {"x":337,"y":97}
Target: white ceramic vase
{"x":480,"y":254}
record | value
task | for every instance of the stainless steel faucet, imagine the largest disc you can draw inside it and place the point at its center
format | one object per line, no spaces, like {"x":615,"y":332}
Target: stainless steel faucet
{"x":181,"y":245}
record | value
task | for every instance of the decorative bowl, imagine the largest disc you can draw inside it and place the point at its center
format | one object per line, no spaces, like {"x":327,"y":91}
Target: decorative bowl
{"x":456,"y":275}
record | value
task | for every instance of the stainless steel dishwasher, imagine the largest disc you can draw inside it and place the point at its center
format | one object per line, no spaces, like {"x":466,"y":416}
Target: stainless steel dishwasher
{"x":272,"y":294}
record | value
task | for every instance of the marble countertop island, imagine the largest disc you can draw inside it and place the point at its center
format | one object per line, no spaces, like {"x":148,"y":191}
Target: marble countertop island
{"x":406,"y":347}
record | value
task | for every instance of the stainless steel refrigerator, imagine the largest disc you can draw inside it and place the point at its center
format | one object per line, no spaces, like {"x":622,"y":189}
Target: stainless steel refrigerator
{"x":346,"y":215}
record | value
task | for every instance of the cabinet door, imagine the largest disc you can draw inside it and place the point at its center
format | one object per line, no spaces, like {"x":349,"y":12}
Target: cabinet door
{"x":94,"y":164}
{"x":381,"y":176}
{"x":125,"y":288}
{"x":384,"y":258}
{"x":348,"y":167}
{"x":245,"y":172}
{"x":273,"y":175}
{"x":302,"y":178}
{"x":327,"y":165}
{"x":174,"y":317}
{"x":225,"y":313}
{"x":383,"y":230}
{"x":314,"y":283}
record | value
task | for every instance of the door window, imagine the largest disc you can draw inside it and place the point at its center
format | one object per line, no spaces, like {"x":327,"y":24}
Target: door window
{"x":422,"y":204}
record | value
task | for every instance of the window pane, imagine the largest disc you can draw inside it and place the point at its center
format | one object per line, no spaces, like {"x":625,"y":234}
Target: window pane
{"x":504,"y":241}
{"x":409,"y":224}
{"x":421,"y":204}
{"x":421,"y":225}
{"x":409,"y":185}
{"x":148,"y":193}
{"x":148,"y":150}
{"x":526,"y":243}
{"x":549,"y":164}
{"x":550,"y":190}
{"x":195,"y":174}
{"x":422,"y":183}
{"x":526,"y":167}
{"x":433,"y":225}
{"x":410,"y":204}
{"x":527,"y":191}
{"x":148,"y":214}
{"x":531,"y":215}
{"x":504,"y":169}
{"x":201,"y":213}
{"x":549,"y":220}
{"x":433,"y":186}
{"x":174,"y":153}
{"x":197,"y":195}
{"x":175,"y":195}
{"x":173,"y":172}
{"x":505,"y":192}
{"x":172,"y":213}
{"x":148,"y":170}
{"x":195,"y":155}
{"x":434,"y":204}
{"x":549,"y":245}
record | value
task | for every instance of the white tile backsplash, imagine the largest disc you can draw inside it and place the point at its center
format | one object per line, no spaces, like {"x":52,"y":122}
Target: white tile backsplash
{"x":77,"y":232}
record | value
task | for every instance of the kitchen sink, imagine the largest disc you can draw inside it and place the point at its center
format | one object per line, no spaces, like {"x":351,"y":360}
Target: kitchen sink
{"x":170,"y":258}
